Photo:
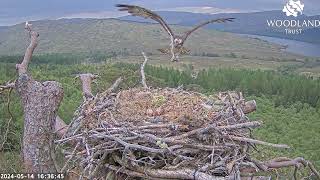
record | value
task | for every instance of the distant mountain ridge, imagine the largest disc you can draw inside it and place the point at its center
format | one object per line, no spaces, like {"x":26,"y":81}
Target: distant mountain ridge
{"x":246,"y":23}
{"x":3,"y":28}
{"x":117,"y":37}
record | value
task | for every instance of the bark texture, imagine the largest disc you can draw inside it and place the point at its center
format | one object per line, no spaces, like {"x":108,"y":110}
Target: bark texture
{"x":86,"y":80}
{"x":249,"y":107}
{"x":60,"y":127}
{"x":40,"y":103}
{"x":143,"y":76}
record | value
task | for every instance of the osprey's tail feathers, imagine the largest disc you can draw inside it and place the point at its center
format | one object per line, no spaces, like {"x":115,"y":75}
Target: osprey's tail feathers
{"x":181,"y":51}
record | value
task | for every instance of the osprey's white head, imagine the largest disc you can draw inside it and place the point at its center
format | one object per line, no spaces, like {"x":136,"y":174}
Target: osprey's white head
{"x":178,"y":41}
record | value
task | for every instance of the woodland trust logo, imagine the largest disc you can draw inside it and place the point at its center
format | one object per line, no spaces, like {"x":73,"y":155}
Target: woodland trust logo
{"x":294,"y":9}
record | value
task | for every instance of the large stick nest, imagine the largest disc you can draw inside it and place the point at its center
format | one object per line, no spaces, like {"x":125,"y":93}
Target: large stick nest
{"x":161,"y":134}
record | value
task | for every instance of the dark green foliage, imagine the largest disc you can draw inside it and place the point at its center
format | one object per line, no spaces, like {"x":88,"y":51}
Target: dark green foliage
{"x":62,"y":58}
{"x":296,"y":125}
{"x":286,"y":89}
{"x":231,"y":55}
{"x":206,"y":54}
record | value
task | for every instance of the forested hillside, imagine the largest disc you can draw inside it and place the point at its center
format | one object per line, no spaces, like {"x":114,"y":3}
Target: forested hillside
{"x":289,"y":105}
{"x":110,"y":36}
{"x":95,"y":40}
{"x":70,"y":41}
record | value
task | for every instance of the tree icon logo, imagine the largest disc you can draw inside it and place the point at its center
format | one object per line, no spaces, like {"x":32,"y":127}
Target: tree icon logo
{"x":293,"y":8}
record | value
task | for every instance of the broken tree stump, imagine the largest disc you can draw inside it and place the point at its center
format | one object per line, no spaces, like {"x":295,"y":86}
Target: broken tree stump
{"x":40,"y":104}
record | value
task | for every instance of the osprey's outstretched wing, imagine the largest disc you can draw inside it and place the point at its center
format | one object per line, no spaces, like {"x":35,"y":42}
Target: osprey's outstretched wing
{"x":142,"y":12}
{"x":221,"y":20}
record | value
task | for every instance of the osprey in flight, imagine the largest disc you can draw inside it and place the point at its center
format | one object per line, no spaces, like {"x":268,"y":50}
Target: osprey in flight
{"x":176,"y":45}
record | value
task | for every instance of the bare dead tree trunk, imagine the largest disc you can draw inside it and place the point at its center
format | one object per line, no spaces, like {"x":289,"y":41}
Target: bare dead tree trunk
{"x":40,"y":104}
{"x":86,"y":80}
{"x":143,"y":76}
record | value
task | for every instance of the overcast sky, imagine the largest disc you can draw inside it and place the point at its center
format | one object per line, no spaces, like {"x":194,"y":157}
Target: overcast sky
{"x":17,"y":11}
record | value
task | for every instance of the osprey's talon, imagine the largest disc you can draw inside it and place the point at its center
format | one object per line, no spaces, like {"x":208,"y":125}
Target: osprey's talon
{"x":175,"y":59}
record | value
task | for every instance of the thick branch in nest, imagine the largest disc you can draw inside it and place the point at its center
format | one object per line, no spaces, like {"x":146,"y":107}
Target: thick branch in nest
{"x":187,"y":174}
{"x":282,"y":162}
{"x":254,"y":141}
{"x":113,"y":88}
{"x":184,"y":173}
{"x":214,"y":127}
